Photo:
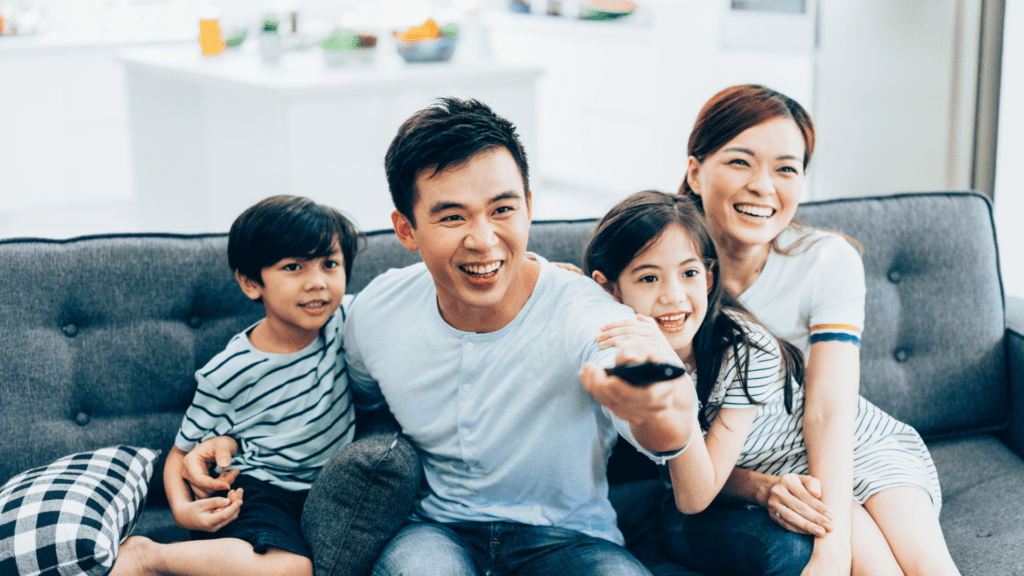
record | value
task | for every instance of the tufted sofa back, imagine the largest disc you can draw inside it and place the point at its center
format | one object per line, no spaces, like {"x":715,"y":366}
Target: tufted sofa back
{"x":100,"y":336}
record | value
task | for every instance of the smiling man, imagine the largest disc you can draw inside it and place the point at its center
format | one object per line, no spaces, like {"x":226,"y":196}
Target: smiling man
{"x":489,"y":362}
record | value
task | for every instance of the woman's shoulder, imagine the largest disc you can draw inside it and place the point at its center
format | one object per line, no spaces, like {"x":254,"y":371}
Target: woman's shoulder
{"x":813,"y":248}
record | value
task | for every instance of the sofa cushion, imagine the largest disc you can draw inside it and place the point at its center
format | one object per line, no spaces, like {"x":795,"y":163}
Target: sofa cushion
{"x":982,"y":504}
{"x":933,"y":352}
{"x":102,"y":337}
{"x":360,"y":499}
{"x":70,"y":517}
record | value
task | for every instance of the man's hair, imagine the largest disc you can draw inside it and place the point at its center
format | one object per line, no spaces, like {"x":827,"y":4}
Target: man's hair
{"x":288,"y":227}
{"x":445,"y":135}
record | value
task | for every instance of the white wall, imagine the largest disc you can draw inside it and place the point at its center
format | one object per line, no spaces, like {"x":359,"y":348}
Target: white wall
{"x":894,"y":86}
{"x":618,"y":100}
{"x":1009,"y":190}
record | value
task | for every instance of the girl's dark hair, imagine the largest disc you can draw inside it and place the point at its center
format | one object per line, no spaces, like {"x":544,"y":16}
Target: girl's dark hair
{"x":444,"y":135}
{"x":288,"y":227}
{"x":636,"y":223}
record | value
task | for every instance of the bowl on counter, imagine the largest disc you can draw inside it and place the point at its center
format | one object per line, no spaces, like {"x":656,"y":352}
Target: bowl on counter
{"x":343,"y":47}
{"x":438,"y":49}
{"x":606,"y":9}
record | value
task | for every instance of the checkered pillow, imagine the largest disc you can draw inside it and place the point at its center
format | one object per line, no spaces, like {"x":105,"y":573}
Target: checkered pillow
{"x":70,"y":517}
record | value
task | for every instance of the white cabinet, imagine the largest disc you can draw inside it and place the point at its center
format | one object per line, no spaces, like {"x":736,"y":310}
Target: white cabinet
{"x":210,"y":137}
{"x":64,"y":130}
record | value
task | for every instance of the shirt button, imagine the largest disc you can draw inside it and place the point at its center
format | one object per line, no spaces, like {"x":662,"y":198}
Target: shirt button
{"x":465,"y":432}
{"x":469,"y":345}
{"x":466,"y":387}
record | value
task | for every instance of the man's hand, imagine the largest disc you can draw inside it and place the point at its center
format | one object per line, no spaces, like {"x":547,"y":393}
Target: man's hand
{"x":210,"y":514}
{"x":660,"y":415}
{"x":200,"y":461}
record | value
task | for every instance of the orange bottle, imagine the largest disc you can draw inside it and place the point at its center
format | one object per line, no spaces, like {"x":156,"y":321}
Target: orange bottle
{"x":209,"y":37}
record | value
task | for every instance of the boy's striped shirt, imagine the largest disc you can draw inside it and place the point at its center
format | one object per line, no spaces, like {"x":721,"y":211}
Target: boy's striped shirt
{"x":289,"y":412}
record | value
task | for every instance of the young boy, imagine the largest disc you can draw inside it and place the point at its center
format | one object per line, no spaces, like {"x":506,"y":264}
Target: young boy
{"x":279,"y":389}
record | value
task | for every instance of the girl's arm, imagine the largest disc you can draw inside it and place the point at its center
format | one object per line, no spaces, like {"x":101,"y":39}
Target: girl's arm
{"x":832,"y":386}
{"x":699,"y":473}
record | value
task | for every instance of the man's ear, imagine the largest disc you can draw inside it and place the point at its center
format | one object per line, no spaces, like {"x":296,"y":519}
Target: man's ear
{"x":404,"y":230}
{"x":253,"y":290}
{"x":692,"y":167}
{"x":609,"y":287}
{"x":529,"y":204}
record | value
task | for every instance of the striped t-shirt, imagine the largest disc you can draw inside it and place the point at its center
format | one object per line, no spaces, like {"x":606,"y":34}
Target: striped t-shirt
{"x":288,"y":412}
{"x":886,"y":452}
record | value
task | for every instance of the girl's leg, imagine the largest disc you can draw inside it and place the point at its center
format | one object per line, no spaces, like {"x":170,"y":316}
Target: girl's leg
{"x":140,"y":556}
{"x":906,"y":517}
{"x":871,"y":553}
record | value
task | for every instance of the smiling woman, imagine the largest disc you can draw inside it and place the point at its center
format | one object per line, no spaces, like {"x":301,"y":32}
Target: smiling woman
{"x":748,"y":153}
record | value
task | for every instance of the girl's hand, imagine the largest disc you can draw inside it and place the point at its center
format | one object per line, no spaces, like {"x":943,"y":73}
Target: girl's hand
{"x":210,"y":514}
{"x":643,"y":329}
{"x":794,"y":502}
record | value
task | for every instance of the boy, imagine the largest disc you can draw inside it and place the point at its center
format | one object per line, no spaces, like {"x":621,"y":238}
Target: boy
{"x":279,"y":389}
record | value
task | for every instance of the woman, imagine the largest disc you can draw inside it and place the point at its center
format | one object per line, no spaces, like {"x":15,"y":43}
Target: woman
{"x":748,"y":153}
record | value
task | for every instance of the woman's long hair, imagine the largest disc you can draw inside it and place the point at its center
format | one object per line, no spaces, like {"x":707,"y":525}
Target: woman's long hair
{"x":635,"y":224}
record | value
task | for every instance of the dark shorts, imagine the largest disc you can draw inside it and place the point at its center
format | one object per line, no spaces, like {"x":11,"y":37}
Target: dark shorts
{"x":270,"y":517}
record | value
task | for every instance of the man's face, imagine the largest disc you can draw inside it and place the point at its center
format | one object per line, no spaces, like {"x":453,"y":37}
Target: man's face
{"x":472,"y":226}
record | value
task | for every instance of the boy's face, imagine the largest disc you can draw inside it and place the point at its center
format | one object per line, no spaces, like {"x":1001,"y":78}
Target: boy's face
{"x":472,"y":226}
{"x":299,"y":294}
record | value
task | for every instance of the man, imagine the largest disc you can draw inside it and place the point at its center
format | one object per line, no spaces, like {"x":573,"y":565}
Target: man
{"x":488,"y":361}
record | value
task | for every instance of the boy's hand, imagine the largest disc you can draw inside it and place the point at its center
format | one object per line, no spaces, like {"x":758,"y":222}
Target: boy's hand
{"x":200,"y":461}
{"x":209,"y":514}
{"x":642,"y":329}
{"x":660,"y":415}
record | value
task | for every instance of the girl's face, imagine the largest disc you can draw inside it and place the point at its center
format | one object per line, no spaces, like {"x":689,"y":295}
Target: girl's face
{"x":750,"y":187}
{"x":668,"y":282}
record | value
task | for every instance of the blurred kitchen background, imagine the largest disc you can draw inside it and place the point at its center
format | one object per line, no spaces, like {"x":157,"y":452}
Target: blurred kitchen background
{"x":112,"y":119}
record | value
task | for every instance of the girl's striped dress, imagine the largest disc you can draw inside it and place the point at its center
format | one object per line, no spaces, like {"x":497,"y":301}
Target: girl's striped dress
{"x":886,"y":452}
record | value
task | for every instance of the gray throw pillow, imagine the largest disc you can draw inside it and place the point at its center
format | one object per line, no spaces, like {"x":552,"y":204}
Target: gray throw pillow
{"x":359,"y":501}
{"x":69,"y":518}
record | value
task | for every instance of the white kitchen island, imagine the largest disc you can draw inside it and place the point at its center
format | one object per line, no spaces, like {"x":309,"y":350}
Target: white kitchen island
{"x":213,"y":135}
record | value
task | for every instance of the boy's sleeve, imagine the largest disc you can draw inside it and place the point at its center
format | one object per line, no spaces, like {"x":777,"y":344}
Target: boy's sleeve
{"x":365,"y":390}
{"x":209,"y":415}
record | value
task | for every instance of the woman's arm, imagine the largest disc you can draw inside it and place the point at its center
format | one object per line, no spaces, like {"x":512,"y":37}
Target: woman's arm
{"x":793,"y":500}
{"x":832,"y":384}
{"x":699,"y":473}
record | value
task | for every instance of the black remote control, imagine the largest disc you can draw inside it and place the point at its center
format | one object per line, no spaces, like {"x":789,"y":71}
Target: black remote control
{"x":646,"y":373}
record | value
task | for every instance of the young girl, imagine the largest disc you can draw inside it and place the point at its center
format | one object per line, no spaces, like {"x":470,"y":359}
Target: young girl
{"x":654,"y":252}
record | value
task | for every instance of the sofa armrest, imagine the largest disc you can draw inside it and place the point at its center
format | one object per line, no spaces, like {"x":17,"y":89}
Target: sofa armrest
{"x":1015,"y":369}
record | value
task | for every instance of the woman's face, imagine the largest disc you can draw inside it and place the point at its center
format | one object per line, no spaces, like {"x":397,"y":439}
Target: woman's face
{"x":750,"y":187}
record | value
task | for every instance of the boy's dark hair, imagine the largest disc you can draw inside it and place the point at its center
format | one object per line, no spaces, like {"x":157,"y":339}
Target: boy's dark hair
{"x":637,"y":222}
{"x":288,"y":227}
{"x":445,"y":135}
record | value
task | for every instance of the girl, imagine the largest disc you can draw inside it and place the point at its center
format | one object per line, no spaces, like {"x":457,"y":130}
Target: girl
{"x":655,"y":253}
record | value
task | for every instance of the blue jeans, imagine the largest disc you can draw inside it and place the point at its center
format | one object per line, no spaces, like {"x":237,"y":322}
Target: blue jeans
{"x":500,"y":548}
{"x":729,"y":539}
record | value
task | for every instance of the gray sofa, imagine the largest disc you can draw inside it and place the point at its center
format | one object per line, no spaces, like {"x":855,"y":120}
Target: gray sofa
{"x":101,"y":336}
